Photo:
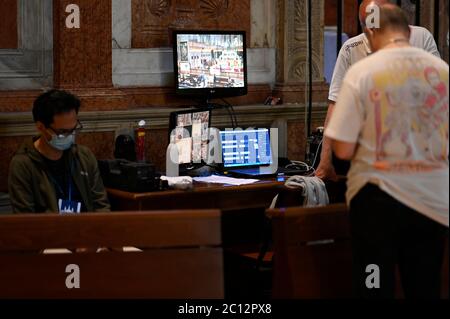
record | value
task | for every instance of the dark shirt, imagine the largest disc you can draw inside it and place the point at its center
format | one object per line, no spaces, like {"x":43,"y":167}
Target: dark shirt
{"x":59,"y":173}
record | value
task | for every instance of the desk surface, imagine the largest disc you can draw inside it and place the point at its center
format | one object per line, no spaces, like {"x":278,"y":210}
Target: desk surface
{"x":243,"y":206}
{"x":202,"y":195}
{"x":199,"y":188}
{"x":217,"y":196}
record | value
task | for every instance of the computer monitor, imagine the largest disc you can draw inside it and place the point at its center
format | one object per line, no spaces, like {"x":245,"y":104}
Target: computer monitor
{"x":189,"y":130}
{"x":210,"y":64}
{"x":246,"y":148}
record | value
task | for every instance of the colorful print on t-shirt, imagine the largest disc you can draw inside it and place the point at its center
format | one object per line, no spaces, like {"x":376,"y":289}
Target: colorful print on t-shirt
{"x":410,"y":101}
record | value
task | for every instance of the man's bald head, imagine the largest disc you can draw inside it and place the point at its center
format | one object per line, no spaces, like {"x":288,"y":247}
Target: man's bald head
{"x":363,"y":8}
{"x":393,"y":25}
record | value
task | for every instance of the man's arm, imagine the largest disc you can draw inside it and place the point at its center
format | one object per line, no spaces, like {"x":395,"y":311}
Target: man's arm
{"x":430,"y":45}
{"x":343,"y":150}
{"x":20,"y":187}
{"x":97,"y":191}
{"x":325,"y":170}
{"x":346,"y":123}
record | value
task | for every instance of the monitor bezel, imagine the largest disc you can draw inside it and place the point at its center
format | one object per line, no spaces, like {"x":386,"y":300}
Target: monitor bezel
{"x":209,"y":93}
{"x":230,"y":168}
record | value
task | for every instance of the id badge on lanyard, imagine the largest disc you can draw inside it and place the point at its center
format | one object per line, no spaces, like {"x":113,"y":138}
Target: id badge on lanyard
{"x":68,"y":206}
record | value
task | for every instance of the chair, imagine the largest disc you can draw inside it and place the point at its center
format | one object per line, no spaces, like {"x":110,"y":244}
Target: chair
{"x":179,"y":257}
{"x":312,"y":252}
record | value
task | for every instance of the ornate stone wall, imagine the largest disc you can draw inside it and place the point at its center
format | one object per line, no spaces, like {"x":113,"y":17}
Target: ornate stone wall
{"x":153,"y":20}
{"x":83,"y":56}
{"x":292,"y":50}
{"x":28,"y":63}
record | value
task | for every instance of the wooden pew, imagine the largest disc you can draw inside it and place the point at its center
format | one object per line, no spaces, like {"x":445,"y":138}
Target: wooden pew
{"x":312,"y":254}
{"x":182,"y":257}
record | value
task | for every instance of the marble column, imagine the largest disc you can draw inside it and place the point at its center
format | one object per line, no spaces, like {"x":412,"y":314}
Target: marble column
{"x":292,"y":60}
{"x":8,"y":25}
{"x":83,"y":56}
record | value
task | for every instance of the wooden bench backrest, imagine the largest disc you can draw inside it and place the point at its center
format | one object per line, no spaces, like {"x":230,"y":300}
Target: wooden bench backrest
{"x":181,"y":255}
{"x":312,"y":252}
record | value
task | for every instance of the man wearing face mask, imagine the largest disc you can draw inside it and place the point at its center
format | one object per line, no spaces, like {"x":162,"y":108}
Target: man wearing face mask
{"x":50,"y":173}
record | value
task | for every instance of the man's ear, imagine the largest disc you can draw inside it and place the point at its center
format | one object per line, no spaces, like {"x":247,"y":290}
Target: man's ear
{"x":369,"y":32}
{"x":40,"y":126}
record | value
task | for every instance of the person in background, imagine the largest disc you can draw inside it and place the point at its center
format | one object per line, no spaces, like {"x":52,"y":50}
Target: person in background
{"x":50,"y":172}
{"x":354,"y":50}
{"x":396,"y":102}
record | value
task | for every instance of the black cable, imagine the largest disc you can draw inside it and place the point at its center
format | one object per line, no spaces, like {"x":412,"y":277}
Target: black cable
{"x":436,"y":21}
{"x":309,"y":68}
{"x":233,"y":112}
{"x":231,"y":116}
{"x":418,"y":12}
{"x":359,"y":22}
{"x":339,"y":27}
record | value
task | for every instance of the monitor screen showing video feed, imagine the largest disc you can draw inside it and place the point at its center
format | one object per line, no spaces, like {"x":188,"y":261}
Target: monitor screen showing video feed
{"x":210,"y":60}
{"x":189,"y":131}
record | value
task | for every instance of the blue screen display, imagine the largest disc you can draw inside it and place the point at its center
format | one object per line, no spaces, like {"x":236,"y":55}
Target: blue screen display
{"x":246,"y":148}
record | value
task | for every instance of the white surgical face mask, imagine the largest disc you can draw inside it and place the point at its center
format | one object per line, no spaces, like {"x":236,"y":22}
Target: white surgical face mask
{"x":62,"y":142}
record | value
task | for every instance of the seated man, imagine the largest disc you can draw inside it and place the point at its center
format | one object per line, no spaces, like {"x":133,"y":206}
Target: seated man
{"x":50,"y":173}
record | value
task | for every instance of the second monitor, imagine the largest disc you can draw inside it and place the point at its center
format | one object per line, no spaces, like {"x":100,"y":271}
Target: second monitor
{"x":189,"y":131}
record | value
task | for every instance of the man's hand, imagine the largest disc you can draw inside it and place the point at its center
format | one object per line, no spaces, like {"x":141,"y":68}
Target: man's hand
{"x":325,"y":171}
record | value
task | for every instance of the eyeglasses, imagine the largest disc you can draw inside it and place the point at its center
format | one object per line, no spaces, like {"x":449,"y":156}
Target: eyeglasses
{"x":64,"y":132}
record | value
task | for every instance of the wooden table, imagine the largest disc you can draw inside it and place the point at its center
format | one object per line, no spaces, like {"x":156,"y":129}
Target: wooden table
{"x":203,"y":195}
{"x":242,"y":206}
{"x":244,"y":226}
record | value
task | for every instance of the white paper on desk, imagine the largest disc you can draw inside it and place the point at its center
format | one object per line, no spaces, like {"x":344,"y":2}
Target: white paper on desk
{"x":217,"y":179}
{"x":52,"y":251}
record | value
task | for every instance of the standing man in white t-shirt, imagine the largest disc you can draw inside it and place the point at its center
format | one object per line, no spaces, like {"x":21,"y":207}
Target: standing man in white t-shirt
{"x":391,"y":121}
{"x":354,"y":50}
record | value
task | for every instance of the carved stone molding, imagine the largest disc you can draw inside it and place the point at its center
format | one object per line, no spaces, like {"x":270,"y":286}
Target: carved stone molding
{"x":21,"y":124}
{"x":30,"y":65}
{"x":292,"y":40}
{"x":111,"y":99}
{"x":292,"y":48}
{"x":153,"y":20}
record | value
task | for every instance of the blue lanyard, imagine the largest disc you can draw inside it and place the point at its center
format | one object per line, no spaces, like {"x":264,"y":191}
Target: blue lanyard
{"x":69,"y":181}
{"x":70,"y":187}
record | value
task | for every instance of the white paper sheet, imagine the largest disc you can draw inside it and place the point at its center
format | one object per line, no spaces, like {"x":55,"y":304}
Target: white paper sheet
{"x":217,"y":179}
